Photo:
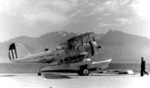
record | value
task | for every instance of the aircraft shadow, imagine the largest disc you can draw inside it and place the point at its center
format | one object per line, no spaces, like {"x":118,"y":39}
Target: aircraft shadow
{"x":8,"y":75}
{"x":56,"y":76}
{"x":70,"y":76}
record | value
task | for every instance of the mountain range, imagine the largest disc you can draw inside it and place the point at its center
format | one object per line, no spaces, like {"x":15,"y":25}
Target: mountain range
{"x":120,"y":46}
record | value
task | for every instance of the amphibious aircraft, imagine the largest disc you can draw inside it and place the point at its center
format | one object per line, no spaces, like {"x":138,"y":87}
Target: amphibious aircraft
{"x":74,"y":55}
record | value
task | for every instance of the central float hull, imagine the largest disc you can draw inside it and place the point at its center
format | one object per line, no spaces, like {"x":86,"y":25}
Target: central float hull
{"x":75,"y":67}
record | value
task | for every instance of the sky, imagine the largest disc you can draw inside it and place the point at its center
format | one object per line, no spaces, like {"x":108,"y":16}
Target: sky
{"x":34,"y":18}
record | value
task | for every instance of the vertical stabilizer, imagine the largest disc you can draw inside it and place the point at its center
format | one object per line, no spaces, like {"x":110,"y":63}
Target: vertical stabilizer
{"x":17,"y":50}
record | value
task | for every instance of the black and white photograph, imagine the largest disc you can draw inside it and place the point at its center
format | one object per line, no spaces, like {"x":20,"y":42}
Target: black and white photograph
{"x":74,"y":43}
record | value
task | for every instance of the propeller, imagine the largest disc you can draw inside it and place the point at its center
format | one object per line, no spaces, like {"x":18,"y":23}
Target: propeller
{"x":94,"y":38}
{"x":97,"y":45}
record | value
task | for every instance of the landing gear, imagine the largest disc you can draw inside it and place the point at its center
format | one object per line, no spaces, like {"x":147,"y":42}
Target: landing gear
{"x":39,"y":73}
{"x":84,"y":71}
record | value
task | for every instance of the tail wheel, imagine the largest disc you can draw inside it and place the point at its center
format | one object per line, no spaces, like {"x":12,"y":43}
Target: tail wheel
{"x":39,"y":73}
{"x":84,"y":72}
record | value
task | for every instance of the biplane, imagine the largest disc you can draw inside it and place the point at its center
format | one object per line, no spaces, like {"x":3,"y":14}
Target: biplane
{"x":72,"y":56}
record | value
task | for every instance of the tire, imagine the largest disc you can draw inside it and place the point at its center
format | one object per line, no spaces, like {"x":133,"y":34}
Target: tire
{"x":84,"y":72}
{"x":39,"y":73}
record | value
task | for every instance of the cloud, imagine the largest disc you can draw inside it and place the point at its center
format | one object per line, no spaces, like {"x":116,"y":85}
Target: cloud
{"x":64,"y":5}
{"x":97,"y":10}
{"x":117,"y":5}
{"x":37,"y":17}
{"x":124,"y":21}
{"x":32,"y":17}
{"x":111,"y":5}
{"x":40,"y":10}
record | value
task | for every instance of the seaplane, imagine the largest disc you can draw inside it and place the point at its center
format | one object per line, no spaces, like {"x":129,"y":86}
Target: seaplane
{"x":72,"y":56}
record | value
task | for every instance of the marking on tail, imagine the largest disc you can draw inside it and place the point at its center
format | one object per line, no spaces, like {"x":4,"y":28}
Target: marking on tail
{"x":12,"y":52}
{"x":17,"y":51}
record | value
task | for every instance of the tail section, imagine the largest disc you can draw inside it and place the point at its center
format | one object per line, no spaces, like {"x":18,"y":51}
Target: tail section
{"x":16,"y":51}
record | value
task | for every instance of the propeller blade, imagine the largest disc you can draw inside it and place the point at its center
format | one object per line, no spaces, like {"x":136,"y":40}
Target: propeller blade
{"x":98,"y":48}
{"x":94,"y":39}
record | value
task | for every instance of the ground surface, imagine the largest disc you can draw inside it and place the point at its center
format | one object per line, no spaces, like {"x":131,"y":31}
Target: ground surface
{"x":73,"y":81}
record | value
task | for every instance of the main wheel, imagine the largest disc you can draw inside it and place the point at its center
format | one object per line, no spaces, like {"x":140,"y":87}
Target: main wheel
{"x":84,"y":72}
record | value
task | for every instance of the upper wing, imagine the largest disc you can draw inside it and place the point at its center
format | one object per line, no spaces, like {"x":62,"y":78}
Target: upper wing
{"x":80,"y":36}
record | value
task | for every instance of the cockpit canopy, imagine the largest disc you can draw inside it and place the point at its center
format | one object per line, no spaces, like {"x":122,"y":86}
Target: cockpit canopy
{"x":62,"y":46}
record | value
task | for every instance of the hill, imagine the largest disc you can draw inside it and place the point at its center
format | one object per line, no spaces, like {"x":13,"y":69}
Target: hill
{"x":119,"y":46}
{"x":124,"y":47}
